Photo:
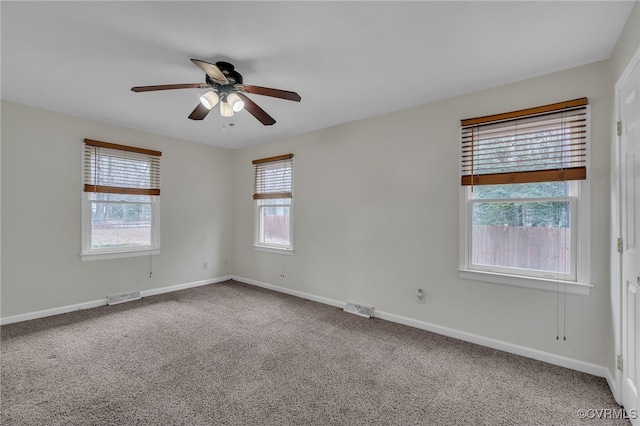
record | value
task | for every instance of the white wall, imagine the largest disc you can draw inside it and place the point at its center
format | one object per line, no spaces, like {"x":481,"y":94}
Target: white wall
{"x":628,"y":43}
{"x":376,"y":217}
{"x":41,"y":193}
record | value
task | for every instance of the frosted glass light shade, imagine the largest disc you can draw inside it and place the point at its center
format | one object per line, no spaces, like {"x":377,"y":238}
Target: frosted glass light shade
{"x":225,"y":109}
{"x":235,"y":101}
{"x":209,"y":99}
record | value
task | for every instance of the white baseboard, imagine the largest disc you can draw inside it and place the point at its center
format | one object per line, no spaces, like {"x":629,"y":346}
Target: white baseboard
{"x":169,"y":289}
{"x":562,"y":361}
{"x":611,"y":381}
{"x":103,"y":302}
{"x":53,"y":311}
{"x":291,"y":292}
{"x":573,"y":364}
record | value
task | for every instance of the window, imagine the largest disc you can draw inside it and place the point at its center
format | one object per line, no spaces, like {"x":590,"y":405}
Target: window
{"x":525,"y":196}
{"x":120,"y":203}
{"x":273,"y":195}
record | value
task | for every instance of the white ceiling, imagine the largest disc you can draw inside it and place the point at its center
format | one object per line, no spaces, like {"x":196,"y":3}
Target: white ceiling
{"x":348,"y":60}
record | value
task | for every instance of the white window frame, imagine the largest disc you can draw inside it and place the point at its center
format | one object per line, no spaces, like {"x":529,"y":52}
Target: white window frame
{"x":266,"y":247}
{"x":580,"y":238}
{"x":579,"y":197}
{"x":89,"y":253}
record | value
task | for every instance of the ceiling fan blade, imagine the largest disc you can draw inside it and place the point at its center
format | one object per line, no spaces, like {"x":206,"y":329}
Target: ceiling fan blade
{"x":199,"y":113}
{"x":274,"y":93}
{"x":170,"y":87}
{"x":211,"y":70}
{"x":256,"y":111}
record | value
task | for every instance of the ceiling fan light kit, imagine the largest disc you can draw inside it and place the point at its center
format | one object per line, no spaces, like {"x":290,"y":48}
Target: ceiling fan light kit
{"x":236,"y":103}
{"x":228,"y":89}
{"x":209,"y":99}
{"x":225,"y":109}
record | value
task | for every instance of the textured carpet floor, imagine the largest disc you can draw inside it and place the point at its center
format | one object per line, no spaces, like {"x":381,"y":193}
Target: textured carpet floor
{"x":232,"y":354}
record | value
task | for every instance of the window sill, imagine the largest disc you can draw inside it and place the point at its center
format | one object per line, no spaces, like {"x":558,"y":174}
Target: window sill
{"x":570,"y":287}
{"x":277,"y":250}
{"x":117,"y":254}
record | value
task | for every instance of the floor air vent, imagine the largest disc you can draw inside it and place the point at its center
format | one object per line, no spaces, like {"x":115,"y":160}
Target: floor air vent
{"x":121,"y":298}
{"x":358,"y":309}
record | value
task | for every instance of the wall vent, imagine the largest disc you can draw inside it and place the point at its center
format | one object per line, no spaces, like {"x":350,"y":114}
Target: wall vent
{"x":359,"y":309}
{"x":121,"y":298}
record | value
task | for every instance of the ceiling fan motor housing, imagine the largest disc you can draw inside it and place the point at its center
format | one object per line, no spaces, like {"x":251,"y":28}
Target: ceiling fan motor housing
{"x":229,"y":71}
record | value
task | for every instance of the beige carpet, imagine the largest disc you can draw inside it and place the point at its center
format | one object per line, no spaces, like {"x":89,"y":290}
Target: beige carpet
{"x":232,"y":354}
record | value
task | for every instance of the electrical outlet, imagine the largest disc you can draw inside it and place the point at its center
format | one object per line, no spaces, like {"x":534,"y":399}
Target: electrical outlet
{"x":420,"y":298}
{"x":205,"y":265}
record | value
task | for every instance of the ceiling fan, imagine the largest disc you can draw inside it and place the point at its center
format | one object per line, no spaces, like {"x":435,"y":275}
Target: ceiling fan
{"x":228,"y":89}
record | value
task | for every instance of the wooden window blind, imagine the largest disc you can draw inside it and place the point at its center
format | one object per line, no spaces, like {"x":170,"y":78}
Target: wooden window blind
{"x":120,"y":169}
{"x":542,"y":144}
{"x":273,"y":177}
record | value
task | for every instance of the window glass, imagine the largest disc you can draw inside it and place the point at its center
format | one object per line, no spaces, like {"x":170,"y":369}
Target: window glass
{"x":119,"y":220}
{"x":522,"y":190}
{"x":275,"y":222}
{"x":524,"y":229}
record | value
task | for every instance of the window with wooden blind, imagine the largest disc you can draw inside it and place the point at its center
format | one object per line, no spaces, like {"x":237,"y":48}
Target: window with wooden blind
{"x":525,"y":214}
{"x":273,"y":196}
{"x":120,"y":208}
